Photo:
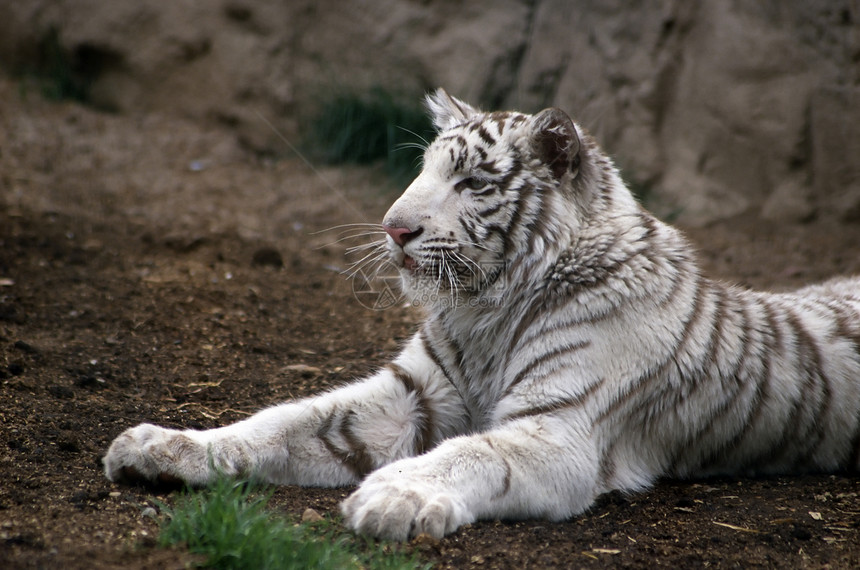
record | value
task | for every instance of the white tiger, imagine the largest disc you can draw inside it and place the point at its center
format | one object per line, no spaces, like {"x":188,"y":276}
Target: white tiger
{"x":572,"y":347}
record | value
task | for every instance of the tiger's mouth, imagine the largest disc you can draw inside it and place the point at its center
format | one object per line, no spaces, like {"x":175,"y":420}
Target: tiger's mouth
{"x":409,"y":263}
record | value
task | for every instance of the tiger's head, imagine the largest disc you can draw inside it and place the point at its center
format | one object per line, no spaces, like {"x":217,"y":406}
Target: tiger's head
{"x":498,"y":193}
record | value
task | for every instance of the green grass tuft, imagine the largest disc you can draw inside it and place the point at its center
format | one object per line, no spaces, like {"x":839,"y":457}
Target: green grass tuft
{"x":229,"y":526}
{"x":364,"y":128}
{"x":54,"y":71}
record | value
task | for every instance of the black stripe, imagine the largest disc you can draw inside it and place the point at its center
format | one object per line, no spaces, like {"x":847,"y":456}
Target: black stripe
{"x":458,"y":352}
{"x":698,"y":440}
{"x":650,"y":224}
{"x":644,"y":380}
{"x":356,"y":458}
{"x":704,"y":368}
{"x":485,"y":136}
{"x":324,"y":430}
{"x":460,"y":163}
{"x":505,"y":181}
{"x":489,"y":167}
{"x":717,"y":323}
{"x":560,"y":326}
{"x":469,"y":231}
{"x":405,"y":378}
{"x":359,"y":459}
{"x":426,"y":421}
{"x":507,"y":233}
{"x":772,"y":343}
{"x":535,"y":310}
{"x":811,"y":353}
{"x":607,"y":189}
{"x":847,"y":327}
{"x":700,"y":369}
{"x":675,"y":289}
{"x":437,"y":360}
{"x":566,"y":404}
{"x":606,"y":471}
{"x":607,"y":464}
{"x":791,"y":433}
{"x":452,"y":137}
{"x":523,"y":193}
{"x":499,"y":117}
{"x":493,"y":209}
{"x":558,"y":351}
{"x":740,"y":367}
{"x":539,"y":226}
{"x":434,"y":356}
{"x":506,"y":482}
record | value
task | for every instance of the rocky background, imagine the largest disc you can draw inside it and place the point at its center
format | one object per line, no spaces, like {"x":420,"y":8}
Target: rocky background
{"x":712,"y":108}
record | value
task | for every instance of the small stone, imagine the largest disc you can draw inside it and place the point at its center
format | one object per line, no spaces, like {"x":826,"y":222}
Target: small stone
{"x":148,"y":512}
{"x":311,"y":516}
{"x":25,"y":347}
{"x":61,"y":392}
{"x":69,"y":445}
{"x":267,"y":256}
{"x":425,"y":541}
{"x":800,"y":533}
{"x":305,"y":370}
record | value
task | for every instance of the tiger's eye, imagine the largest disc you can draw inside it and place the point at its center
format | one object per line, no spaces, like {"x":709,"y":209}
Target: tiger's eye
{"x":472,"y":183}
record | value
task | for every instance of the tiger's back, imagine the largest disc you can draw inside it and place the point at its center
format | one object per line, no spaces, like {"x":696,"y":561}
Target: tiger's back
{"x":752,"y":383}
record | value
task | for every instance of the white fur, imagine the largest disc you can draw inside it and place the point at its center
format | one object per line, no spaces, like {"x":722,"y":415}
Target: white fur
{"x":597,"y":357}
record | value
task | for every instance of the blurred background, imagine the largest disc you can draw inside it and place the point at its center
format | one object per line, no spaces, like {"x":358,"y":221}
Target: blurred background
{"x":711,"y":108}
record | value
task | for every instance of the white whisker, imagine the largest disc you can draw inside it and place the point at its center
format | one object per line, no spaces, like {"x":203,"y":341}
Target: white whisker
{"x":368,"y":260}
{"x":424,"y":142}
{"x":364,"y":247}
{"x":473,"y":244}
{"x":352,"y":225}
{"x":347,"y":238}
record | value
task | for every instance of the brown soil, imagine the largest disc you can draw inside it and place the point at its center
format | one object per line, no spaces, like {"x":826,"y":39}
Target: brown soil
{"x":140,"y":281}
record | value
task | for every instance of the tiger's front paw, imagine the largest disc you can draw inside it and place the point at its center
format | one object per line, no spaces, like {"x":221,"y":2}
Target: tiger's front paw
{"x":393,"y":506}
{"x":148,"y":453}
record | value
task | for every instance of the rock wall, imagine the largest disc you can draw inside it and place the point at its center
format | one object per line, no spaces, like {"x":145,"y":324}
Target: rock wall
{"x":712,"y":108}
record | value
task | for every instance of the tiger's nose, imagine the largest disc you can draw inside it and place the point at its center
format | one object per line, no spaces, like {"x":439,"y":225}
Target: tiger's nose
{"x":402,"y":236}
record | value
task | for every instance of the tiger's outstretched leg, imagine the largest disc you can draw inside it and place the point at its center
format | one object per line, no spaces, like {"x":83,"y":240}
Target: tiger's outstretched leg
{"x":333,"y":439}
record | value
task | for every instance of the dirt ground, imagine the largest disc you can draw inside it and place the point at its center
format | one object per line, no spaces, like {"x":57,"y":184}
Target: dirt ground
{"x":153,"y":270}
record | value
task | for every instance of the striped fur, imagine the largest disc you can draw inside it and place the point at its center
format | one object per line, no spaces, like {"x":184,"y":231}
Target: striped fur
{"x":572,"y":346}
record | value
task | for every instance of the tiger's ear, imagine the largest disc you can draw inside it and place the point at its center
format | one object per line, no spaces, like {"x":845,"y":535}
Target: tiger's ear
{"x":447,"y":111}
{"x":556,"y":142}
